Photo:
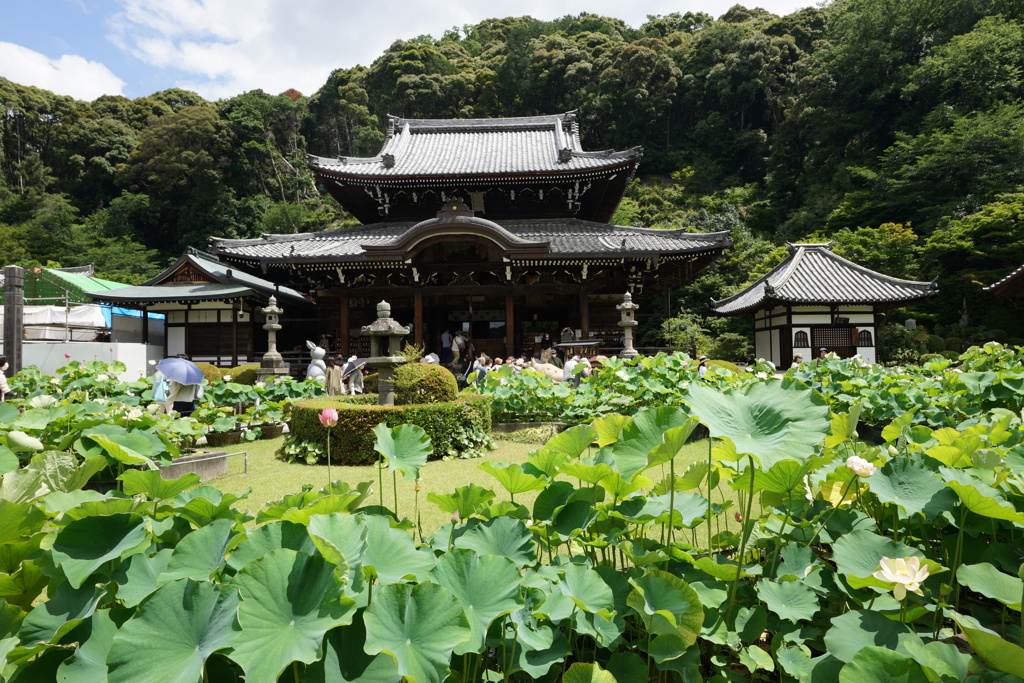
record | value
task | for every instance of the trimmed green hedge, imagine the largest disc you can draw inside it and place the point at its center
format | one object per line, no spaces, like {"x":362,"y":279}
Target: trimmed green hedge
{"x":244,"y":374}
{"x":424,"y":383}
{"x":211,"y":372}
{"x":455,"y":428}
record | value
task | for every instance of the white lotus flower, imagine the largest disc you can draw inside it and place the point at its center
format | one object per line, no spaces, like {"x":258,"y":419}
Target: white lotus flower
{"x":860,"y":466}
{"x":152,"y":408}
{"x":134,"y":413}
{"x":227,"y":378}
{"x":152,"y":362}
{"x":905,"y":573}
{"x":261,"y":385}
{"x":102,"y":378}
{"x":762,"y":375}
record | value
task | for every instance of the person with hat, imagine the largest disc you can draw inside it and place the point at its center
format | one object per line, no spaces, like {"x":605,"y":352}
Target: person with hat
{"x":797,"y":360}
{"x":822,"y":353}
{"x":702,"y":367}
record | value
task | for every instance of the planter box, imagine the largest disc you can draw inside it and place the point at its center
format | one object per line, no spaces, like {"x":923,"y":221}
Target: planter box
{"x":207,"y":464}
{"x":223,"y":438}
{"x":271,"y":431}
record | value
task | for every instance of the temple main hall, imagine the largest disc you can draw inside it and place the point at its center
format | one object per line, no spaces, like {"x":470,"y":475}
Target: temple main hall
{"x":498,"y":227}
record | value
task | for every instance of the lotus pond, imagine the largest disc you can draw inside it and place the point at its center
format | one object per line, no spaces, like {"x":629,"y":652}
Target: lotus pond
{"x":885,"y":545}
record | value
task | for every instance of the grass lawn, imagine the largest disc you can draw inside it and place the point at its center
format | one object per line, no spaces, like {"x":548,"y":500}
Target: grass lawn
{"x":272,"y":479}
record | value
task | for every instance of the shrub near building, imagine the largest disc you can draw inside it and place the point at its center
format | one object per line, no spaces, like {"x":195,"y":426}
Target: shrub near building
{"x":425,"y":395}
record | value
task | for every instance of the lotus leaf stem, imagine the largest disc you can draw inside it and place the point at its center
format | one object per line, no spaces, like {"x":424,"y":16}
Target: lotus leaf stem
{"x":743,"y":541}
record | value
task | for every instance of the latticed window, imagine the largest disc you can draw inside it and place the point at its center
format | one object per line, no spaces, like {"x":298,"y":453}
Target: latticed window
{"x":864,"y":338}
{"x":833,"y":338}
{"x":801,"y":340}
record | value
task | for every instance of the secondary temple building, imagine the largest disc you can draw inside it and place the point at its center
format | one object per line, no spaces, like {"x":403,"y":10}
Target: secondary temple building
{"x":817,"y":299}
{"x":499,"y":227}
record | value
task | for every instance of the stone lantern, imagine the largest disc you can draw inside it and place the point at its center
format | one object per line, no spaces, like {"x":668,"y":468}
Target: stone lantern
{"x":628,"y":322}
{"x":385,"y":334}
{"x":272,"y":362}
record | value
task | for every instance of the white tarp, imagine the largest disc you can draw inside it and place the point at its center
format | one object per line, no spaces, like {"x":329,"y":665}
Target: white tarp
{"x":84,"y":322}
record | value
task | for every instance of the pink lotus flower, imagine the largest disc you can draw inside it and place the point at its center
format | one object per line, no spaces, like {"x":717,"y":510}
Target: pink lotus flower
{"x":67,"y":355}
{"x":329,"y":417}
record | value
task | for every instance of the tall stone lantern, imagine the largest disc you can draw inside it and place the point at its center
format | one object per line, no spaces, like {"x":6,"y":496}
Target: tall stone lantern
{"x":385,"y":335}
{"x":628,"y":310}
{"x":272,"y":363}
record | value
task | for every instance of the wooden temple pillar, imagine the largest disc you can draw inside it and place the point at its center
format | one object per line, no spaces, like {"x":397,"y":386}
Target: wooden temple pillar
{"x":417,"y":317}
{"x":343,"y":325}
{"x":510,"y":325}
{"x":234,"y":335}
{"x":584,"y":314}
{"x":145,"y":325}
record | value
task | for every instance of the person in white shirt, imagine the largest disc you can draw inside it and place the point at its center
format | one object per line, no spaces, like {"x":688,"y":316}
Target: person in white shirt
{"x":568,"y":368}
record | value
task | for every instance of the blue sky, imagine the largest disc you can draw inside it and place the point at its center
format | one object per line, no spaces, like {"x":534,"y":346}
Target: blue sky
{"x":221,"y":48}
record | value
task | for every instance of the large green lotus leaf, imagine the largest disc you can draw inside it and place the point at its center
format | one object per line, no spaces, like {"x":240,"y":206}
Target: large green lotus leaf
{"x":643,"y":434}
{"x":100,"y":508}
{"x":345,"y":661}
{"x":857,"y":629}
{"x":346,"y":534}
{"x":512,"y":477}
{"x":419,"y":625}
{"x":8,"y":460}
{"x":173,"y":632}
{"x":18,"y":520}
{"x":486,"y":585}
{"x":504,"y":536}
{"x":84,"y":545}
{"x":200,"y":553}
{"x":129,"y":449}
{"x":791,"y":600}
{"x":874,"y":664}
{"x":796,"y":561}
{"x":985,"y":579}
{"x":149,"y":483}
{"x":859,"y":552}
{"x":668,"y":606}
{"x":979,"y":503}
{"x":551,"y":499}
{"x":580,"y":672}
{"x":406,"y":448}
{"x":783,"y":477}
{"x":204,"y":504}
{"x":627,"y":666}
{"x":269,"y":537}
{"x":912,"y":486}
{"x":620,"y":489}
{"x":673,"y":441}
{"x":608,"y":428}
{"x":392,"y":553}
{"x":941,"y":661}
{"x":62,"y":612}
{"x":276,"y":509}
{"x":572,"y":441}
{"x":84,"y":472}
{"x":289,"y":601}
{"x":89,"y":662}
{"x":772,"y":421}
{"x":536,"y":661}
{"x":8,"y":414}
{"x":325,"y":505}
{"x":844,"y":426}
{"x":465,"y":501}
{"x":587,"y":589}
{"x":138,"y":576}
{"x":22,"y":486}
{"x":574,"y":518}
{"x":589,"y":473}
{"x":544,"y":462}
{"x":1000,"y":654}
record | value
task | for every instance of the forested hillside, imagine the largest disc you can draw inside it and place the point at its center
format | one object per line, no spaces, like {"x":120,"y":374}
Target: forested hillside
{"x":893,"y":127}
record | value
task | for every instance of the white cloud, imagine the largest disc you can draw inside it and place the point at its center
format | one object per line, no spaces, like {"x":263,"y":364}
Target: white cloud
{"x":67,"y":75}
{"x":227,"y":47}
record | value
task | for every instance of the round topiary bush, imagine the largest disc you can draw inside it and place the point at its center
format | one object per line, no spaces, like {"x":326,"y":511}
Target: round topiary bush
{"x":934,"y":343}
{"x":244,"y":374}
{"x":731,"y":367}
{"x":455,"y":428}
{"x":955,"y":344}
{"x":424,"y":383}
{"x":210,"y":372}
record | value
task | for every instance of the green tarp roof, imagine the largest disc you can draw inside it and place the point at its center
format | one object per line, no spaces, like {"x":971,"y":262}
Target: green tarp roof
{"x":86,"y":283}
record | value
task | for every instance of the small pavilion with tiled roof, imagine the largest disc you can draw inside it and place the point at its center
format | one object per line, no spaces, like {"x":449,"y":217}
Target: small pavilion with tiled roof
{"x":498,"y":227}
{"x":817,"y":299}
{"x":212,"y":309}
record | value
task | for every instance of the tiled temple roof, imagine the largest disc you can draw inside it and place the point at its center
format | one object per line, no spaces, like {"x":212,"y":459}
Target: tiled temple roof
{"x":478,"y":147}
{"x":813,"y":274}
{"x":561,"y":237}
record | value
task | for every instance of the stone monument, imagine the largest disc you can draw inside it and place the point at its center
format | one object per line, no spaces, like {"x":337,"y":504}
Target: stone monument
{"x":385,"y":334}
{"x":628,"y":322}
{"x":272,"y":363}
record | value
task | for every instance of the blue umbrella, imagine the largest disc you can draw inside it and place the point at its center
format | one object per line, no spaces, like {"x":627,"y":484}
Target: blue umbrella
{"x":181,"y":370}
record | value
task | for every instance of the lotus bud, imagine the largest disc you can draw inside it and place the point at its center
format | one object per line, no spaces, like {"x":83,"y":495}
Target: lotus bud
{"x":67,"y":355}
{"x":455,"y":517}
{"x":329,"y":417}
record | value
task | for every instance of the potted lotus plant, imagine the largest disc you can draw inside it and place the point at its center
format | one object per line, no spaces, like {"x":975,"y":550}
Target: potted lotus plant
{"x":223,"y":426}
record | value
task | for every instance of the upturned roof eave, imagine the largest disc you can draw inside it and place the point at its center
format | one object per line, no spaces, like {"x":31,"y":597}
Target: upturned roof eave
{"x":489,"y":176}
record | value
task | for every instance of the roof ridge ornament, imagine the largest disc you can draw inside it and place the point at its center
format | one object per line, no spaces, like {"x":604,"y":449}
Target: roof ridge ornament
{"x":388,"y":160}
{"x":565,"y":154}
{"x":455,"y":208}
